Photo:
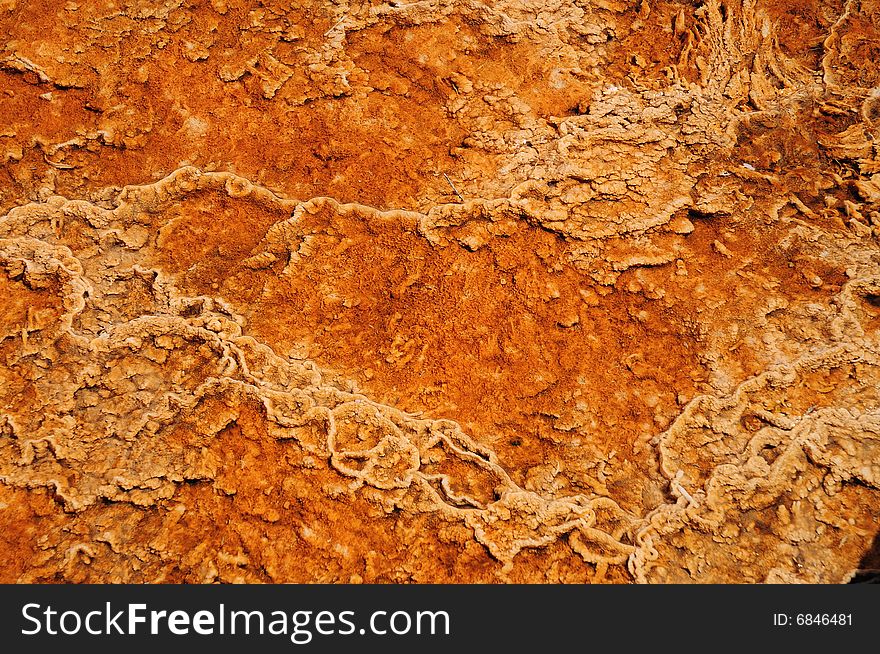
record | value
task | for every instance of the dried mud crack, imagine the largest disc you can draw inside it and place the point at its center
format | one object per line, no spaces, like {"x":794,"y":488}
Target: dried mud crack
{"x":439,"y":291}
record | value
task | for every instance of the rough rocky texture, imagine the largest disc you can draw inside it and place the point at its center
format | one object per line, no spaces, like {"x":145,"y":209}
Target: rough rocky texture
{"x":439,"y":291}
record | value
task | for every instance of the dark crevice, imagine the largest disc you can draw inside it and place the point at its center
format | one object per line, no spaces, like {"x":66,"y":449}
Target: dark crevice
{"x":868,"y":571}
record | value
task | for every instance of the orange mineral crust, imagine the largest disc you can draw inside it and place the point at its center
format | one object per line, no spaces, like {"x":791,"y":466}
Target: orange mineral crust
{"x":443,"y":291}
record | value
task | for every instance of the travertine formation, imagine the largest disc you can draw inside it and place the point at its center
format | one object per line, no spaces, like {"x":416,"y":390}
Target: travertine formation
{"x":439,"y":291}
